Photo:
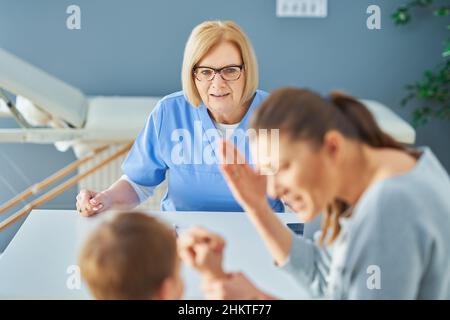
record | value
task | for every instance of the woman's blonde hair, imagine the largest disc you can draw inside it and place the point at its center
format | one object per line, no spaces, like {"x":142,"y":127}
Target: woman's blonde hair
{"x":202,"y":39}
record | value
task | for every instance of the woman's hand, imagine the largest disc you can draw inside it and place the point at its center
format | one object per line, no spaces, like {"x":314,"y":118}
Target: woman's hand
{"x":236,"y":286}
{"x":120,"y":195}
{"x":247,"y":186}
{"x":90,"y":202}
{"x":203,"y":251}
{"x":249,"y":189}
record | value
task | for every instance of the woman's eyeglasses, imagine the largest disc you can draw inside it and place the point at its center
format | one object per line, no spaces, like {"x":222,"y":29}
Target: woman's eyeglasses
{"x":228,"y":73}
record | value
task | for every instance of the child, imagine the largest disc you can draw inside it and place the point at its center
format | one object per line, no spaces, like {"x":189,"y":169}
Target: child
{"x":134,"y":256}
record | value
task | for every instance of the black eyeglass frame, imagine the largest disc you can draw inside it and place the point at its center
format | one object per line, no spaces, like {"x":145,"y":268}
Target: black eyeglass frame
{"x":218,"y":71}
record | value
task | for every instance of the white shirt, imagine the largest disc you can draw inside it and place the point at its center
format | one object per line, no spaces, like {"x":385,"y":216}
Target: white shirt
{"x":223,"y":128}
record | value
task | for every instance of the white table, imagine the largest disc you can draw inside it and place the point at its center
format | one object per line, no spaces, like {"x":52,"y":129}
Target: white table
{"x":35,"y":264}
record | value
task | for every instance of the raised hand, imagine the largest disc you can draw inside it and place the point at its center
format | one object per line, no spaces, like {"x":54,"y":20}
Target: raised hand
{"x":247,"y":186}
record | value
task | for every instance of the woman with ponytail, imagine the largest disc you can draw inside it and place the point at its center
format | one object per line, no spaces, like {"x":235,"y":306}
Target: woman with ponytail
{"x":386,"y":207}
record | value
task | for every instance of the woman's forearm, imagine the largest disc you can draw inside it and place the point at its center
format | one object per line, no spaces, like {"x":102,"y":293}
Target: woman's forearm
{"x":276,"y":236}
{"x":122,"y":195}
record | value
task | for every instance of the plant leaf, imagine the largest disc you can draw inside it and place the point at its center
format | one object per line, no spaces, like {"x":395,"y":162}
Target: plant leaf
{"x":442,"y":11}
{"x":401,"y":16}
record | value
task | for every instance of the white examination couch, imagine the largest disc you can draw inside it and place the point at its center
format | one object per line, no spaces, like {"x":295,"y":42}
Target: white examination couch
{"x":64,"y":114}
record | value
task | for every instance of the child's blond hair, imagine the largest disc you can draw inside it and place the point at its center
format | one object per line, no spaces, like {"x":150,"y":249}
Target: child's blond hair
{"x":128,"y":257}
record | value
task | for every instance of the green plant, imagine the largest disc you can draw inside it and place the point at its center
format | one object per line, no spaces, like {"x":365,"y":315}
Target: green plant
{"x":433,"y":90}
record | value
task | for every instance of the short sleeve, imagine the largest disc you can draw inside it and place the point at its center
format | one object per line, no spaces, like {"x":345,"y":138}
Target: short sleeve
{"x":144,"y":163}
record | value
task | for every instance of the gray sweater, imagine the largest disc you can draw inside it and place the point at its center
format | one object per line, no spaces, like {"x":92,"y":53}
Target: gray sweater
{"x":396,"y":244}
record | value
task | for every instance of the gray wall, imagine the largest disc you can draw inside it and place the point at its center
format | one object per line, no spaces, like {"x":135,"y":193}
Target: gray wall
{"x":135,"y":48}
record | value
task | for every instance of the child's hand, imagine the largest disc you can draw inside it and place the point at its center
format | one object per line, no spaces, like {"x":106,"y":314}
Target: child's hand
{"x":203,"y":251}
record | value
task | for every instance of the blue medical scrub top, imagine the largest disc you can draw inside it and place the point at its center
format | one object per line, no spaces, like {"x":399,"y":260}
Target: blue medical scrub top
{"x":181,"y":140}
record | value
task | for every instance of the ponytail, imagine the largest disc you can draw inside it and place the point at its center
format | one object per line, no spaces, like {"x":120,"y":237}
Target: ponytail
{"x":363,"y":121}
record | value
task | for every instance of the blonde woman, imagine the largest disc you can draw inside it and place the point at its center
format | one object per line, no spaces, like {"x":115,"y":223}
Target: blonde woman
{"x":220,"y":81}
